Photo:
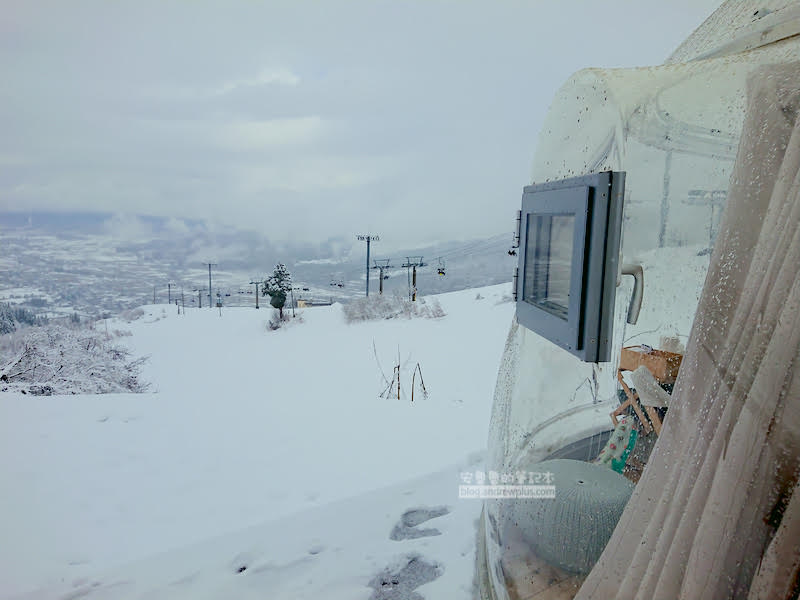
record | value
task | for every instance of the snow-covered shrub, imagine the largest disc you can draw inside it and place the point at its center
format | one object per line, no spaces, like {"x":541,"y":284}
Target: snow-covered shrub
{"x":435,"y":309}
{"x":276,"y":320}
{"x":12,"y":342}
{"x":392,"y":306}
{"x":63,"y":360}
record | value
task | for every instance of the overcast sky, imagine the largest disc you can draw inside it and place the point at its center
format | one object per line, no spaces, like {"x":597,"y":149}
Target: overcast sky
{"x":414,"y":120}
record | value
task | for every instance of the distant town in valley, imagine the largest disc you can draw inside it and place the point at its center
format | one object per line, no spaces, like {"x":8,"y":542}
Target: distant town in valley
{"x":95,"y":265}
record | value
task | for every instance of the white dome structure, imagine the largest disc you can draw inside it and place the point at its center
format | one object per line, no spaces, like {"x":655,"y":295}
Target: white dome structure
{"x":700,"y":151}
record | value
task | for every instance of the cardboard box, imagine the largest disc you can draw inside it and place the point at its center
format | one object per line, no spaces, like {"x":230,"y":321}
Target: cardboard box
{"x":662,"y":364}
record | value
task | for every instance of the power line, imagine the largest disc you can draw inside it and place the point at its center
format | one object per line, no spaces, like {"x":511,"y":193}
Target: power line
{"x":454,"y":257}
{"x":472,"y":247}
{"x":476,"y":246}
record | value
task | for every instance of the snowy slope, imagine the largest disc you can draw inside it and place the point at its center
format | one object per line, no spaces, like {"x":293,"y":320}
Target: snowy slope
{"x":269,"y":450}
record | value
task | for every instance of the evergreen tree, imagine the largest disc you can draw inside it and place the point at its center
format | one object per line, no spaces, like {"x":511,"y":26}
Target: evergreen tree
{"x":7,"y":321}
{"x":277,"y":286}
{"x":11,"y":316}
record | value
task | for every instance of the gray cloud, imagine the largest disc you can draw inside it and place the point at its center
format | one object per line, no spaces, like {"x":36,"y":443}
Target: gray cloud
{"x":306,"y":120}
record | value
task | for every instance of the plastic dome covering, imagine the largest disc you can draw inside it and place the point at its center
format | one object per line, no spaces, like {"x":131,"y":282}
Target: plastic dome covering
{"x":737,"y":26}
{"x":570,"y":534}
{"x":674,"y":130}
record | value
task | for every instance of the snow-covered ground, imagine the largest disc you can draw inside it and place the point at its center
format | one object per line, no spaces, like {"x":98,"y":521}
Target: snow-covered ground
{"x":264,"y":464}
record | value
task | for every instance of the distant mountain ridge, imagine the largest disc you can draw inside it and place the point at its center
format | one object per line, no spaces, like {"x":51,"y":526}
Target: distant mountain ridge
{"x":84,"y":221}
{"x":103,"y":263}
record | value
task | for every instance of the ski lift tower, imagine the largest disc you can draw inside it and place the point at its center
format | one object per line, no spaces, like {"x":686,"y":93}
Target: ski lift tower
{"x":368,"y":239}
{"x":382,"y":265}
{"x":412,"y":262}
{"x":256,"y":283}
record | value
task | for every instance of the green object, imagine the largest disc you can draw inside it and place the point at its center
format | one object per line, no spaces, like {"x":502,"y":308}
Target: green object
{"x":618,"y":464}
{"x":619,"y":446}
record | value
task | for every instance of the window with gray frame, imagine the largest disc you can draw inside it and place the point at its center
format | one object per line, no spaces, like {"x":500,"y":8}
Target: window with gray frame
{"x":569,"y":233}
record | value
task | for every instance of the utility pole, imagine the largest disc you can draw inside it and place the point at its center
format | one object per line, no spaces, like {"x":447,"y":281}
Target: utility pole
{"x":183,"y":304}
{"x":169,"y":293}
{"x":210,"y":301}
{"x":368,"y":239}
{"x":382,"y":264}
{"x":412,"y":262}
{"x":154,"y":294}
{"x":255,"y":283}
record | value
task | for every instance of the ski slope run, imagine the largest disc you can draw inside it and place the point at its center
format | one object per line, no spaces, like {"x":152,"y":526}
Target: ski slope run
{"x":264,"y":462}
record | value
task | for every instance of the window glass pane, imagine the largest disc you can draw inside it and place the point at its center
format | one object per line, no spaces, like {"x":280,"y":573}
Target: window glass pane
{"x":548,"y":262}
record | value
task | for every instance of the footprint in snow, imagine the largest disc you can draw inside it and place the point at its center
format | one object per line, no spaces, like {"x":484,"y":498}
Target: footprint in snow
{"x":407,"y":527}
{"x":400,"y":581}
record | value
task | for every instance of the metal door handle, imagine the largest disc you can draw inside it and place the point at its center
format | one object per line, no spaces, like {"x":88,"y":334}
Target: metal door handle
{"x":638,"y":290}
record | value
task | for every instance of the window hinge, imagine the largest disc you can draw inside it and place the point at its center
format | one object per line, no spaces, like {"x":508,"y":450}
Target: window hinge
{"x":516,"y":277}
